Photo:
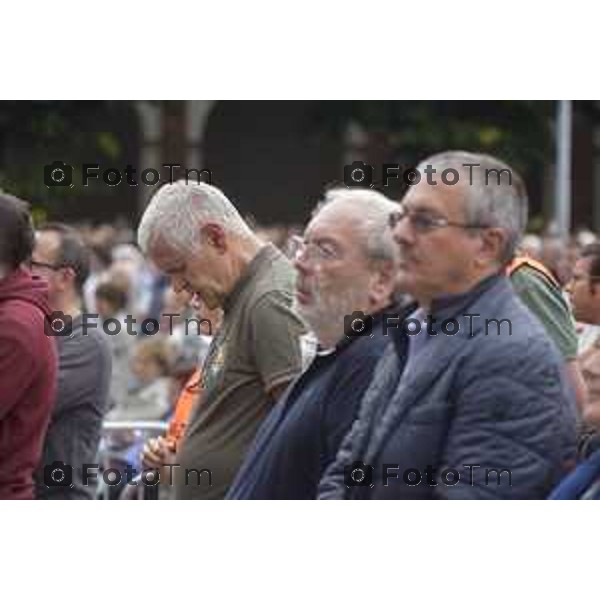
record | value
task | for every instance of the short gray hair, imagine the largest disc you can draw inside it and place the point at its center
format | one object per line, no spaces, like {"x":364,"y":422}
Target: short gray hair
{"x":374,"y":210}
{"x":178,"y":210}
{"x":495,"y":193}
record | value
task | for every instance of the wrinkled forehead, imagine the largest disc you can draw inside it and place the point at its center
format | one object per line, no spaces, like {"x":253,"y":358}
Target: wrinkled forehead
{"x":438,"y":198}
{"x":336,"y":222}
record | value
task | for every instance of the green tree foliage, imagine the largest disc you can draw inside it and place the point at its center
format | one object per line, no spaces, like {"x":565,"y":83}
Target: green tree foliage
{"x":517,"y":131}
{"x":34,"y":133}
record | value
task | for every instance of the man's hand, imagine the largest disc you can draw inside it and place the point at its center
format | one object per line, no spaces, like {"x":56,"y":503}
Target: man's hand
{"x":157,"y":452}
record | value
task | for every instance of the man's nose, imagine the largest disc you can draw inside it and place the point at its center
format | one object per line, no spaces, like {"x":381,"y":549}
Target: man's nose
{"x":403,"y":233}
{"x":569,"y":287}
{"x":301,"y":262}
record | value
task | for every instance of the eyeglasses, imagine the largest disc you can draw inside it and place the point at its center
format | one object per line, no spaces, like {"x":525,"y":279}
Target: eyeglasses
{"x":42,"y":265}
{"x":422,"y":222}
{"x":318,"y":251}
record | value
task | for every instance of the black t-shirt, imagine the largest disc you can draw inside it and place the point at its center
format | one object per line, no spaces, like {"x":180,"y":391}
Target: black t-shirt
{"x":73,"y":435}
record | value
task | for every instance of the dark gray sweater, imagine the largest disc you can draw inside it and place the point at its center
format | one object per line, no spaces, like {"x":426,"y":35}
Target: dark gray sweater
{"x":76,"y":422}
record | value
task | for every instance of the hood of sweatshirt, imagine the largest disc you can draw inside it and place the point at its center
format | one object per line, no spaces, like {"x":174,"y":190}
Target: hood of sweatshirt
{"x":22,"y":285}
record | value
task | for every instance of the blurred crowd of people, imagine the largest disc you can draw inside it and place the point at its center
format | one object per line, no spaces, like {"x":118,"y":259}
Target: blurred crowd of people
{"x":148,"y":368}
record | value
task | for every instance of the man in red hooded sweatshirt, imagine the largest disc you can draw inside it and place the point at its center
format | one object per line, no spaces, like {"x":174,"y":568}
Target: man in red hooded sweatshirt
{"x":28,"y":359}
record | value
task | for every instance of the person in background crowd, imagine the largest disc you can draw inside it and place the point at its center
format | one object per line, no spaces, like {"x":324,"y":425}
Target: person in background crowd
{"x":584,"y":289}
{"x":531,"y":245}
{"x":149,"y":400}
{"x":128,"y":265}
{"x":160,"y":452}
{"x":111,"y":302}
{"x":84,"y":364}
{"x":100,"y":260}
{"x":483,"y":396}
{"x":586,"y":332}
{"x":345,"y":263}
{"x":541,"y":292}
{"x":555,"y":255}
{"x":189,"y":336}
{"x":194,"y":234}
{"x":28,"y":357}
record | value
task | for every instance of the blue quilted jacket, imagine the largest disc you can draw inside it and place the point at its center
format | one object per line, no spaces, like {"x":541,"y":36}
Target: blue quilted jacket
{"x":478,"y":414}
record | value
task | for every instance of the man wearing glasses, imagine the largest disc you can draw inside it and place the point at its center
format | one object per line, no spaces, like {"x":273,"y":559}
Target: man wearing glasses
{"x":345,"y":263}
{"x":481,"y":409}
{"x":61,"y":258}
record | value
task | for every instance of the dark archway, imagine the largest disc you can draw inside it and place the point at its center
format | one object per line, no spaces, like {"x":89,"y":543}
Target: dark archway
{"x":270,"y":157}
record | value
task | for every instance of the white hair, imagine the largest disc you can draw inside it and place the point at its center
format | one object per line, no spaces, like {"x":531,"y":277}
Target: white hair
{"x":495,"y":194}
{"x":373,"y":209}
{"x":177,"y":211}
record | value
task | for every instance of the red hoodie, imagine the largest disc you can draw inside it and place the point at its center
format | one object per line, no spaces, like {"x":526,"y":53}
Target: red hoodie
{"x":28,"y":371}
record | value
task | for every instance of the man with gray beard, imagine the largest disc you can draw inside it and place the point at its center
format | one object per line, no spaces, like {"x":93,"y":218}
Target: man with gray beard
{"x":345,"y":267}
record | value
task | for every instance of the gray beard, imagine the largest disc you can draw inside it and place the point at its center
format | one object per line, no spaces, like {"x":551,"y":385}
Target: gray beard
{"x":325,"y":315}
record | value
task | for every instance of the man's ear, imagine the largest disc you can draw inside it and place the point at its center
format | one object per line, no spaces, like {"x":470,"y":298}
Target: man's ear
{"x":214,"y":236}
{"x":384,"y":282}
{"x":493,"y":242}
{"x":68,"y":276}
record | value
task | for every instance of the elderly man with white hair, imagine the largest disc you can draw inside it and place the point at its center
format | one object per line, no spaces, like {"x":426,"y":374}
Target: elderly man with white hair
{"x":346,"y":266}
{"x":195,"y":235}
{"x":480,"y":408}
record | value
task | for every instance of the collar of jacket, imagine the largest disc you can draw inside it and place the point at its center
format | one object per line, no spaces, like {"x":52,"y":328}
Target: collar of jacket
{"x":447,"y":306}
{"x":399,"y":337}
